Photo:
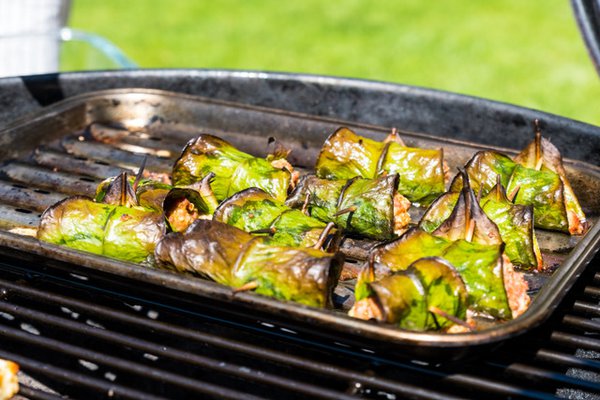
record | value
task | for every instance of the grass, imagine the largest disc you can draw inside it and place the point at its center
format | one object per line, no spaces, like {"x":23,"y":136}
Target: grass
{"x":528,"y":53}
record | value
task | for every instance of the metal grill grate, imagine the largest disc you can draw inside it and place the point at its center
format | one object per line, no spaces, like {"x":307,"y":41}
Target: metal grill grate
{"x":89,"y":335}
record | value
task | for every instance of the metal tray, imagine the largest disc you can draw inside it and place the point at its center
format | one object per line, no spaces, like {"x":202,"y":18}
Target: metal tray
{"x":51,"y":155}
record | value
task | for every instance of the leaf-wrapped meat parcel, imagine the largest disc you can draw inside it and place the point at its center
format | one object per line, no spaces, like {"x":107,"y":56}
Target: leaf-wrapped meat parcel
{"x":514,"y":221}
{"x":254,"y":210}
{"x":234,"y":170}
{"x":491,"y":284}
{"x":127,"y":217}
{"x":542,"y":154}
{"x":428,"y":295}
{"x":345,"y":155}
{"x":235,"y":258}
{"x":206,"y":248}
{"x":471,"y":243}
{"x":366,"y":207}
{"x":541,"y":189}
{"x":538,"y":178}
{"x":180,"y":205}
{"x":126,"y":233}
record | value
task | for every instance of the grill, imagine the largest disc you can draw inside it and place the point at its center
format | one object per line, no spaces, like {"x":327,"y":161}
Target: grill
{"x":85,"y":333}
{"x":82,"y":333}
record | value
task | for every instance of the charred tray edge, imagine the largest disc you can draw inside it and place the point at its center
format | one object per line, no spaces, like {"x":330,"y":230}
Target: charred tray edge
{"x":545,"y":302}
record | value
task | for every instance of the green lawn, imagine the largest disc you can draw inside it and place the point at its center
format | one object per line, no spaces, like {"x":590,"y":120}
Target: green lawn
{"x":528,"y":53}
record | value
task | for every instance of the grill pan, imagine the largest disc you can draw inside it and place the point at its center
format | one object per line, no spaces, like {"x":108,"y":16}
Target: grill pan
{"x":53,"y":154}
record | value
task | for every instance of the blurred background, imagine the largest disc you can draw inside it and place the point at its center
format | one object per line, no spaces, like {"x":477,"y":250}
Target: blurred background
{"x":528,"y":53}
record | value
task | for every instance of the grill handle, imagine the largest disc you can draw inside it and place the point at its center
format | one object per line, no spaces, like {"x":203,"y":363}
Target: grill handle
{"x":587,"y":14}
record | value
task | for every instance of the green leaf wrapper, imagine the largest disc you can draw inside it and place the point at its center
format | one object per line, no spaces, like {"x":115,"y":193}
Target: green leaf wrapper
{"x":514,"y":223}
{"x":541,"y":150}
{"x":371,"y":199}
{"x":294,"y":228}
{"x":234,"y":170}
{"x":544,"y":191}
{"x":126,"y":233}
{"x":408,"y":248}
{"x":257,"y":172}
{"x":345,"y":155}
{"x":468,"y":221}
{"x":235,"y":258}
{"x":255,"y":210}
{"x":407,"y":298}
{"x":403,"y":301}
{"x":117,"y":190}
{"x":420,"y":171}
{"x":479,"y":265}
{"x":445,"y":290}
{"x":152,"y":194}
{"x":131,"y":233}
{"x":302,"y":275}
{"x":76,"y":222}
{"x":206,"y":248}
{"x":366,"y":275}
{"x":374,"y":203}
{"x":438,"y":211}
{"x":249,"y":210}
{"x":323,"y":196}
{"x":180,"y":205}
{"x":482,"y":170}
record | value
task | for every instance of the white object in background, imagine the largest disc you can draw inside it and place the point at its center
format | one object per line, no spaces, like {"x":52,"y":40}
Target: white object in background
{"x":29,"y":35}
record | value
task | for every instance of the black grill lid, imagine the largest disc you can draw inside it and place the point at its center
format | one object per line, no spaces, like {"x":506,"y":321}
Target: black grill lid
{"x":587,"y":14}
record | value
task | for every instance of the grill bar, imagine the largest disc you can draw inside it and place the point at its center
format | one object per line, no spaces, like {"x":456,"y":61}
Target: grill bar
{"x":581,"y":323}
{"x":25,"y":198}
{"x":38,"y":177}
{"x":576,"y":341}
{"x":592,"y":291}
{"x":567,"y":360}
{"x":129,"y":141}
{"x":37,"y":394}
{"x":11,"y":217}
{"x":99,"y":169}
{"x":118,"y":157}
{"x":538,"y":374}
{"x":587,"y":308}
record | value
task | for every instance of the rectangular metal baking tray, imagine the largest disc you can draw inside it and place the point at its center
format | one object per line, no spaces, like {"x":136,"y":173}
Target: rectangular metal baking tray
{"x":50,"y":155}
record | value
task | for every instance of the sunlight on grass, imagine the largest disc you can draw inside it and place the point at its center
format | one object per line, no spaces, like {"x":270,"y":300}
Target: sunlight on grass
{"x":520,"y":52}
